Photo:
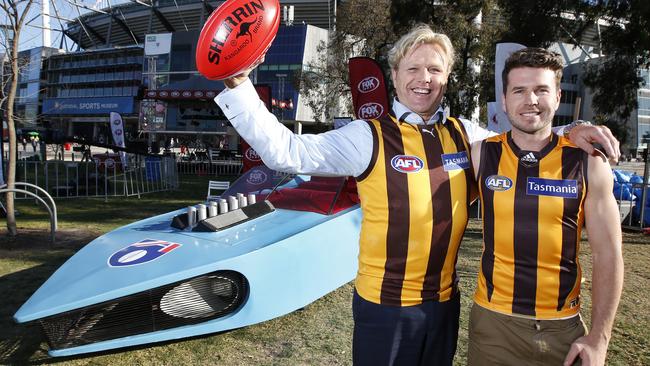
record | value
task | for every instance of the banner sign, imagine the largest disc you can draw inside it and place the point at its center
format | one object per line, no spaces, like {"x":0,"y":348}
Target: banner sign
{"x":493,"y":123}
{"x":157,"y":44}
{"x":250,"y":157}
{"x":181,"y":94}
{"x":88,"y":105}
{"x":504,"y":50}
{"x":117,"y":127}
{"x":264,"y":91}
{"x":368,"y":86}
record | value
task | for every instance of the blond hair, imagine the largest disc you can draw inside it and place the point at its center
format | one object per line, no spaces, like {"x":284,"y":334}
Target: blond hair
{"x":419,"y":35}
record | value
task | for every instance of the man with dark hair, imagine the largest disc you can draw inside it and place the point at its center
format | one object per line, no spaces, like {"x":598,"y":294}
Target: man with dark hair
{"x":537,"y":190}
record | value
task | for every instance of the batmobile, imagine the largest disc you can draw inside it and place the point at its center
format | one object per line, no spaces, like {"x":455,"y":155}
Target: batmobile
{"x":272,"y":243}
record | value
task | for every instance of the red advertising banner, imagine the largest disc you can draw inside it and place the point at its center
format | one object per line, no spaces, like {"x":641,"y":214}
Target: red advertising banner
{"x":264,"y":92}
{"x":369,"y":90}
{"x":250,"y":158}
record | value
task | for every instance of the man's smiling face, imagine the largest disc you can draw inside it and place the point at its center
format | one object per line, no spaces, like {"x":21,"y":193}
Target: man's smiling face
{"x":420,"y":79}
{"x":531,"y":99}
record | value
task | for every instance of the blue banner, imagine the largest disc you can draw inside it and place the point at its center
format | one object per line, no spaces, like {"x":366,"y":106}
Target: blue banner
{"x":86,"y":106}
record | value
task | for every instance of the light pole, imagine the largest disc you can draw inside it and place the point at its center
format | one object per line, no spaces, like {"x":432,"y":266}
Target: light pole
{"x":281,"y":78}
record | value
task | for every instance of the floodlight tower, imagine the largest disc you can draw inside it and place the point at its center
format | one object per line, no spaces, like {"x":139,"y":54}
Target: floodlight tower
{"x":45,"y":16}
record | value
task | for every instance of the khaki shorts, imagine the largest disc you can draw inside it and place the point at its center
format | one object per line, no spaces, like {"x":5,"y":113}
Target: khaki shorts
{"x":499,"y":339}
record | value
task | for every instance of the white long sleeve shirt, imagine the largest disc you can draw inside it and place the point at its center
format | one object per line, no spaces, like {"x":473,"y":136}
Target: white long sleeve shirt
{"x":341,"y":152}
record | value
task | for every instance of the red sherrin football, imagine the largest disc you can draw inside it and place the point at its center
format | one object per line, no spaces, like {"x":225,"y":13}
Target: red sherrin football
{"x":236,"y":35}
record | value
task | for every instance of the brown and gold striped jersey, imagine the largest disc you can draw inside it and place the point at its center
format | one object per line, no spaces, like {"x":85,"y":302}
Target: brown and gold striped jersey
{"x":414,"y":196}
{"x":532,"y":206}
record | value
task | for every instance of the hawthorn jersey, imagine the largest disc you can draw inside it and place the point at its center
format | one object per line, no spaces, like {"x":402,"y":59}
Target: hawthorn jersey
{"x":414,"y":196}
{"x":532,"y":218}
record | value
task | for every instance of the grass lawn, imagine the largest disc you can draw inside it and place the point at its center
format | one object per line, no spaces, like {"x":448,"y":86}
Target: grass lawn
{"x":320,"y":334}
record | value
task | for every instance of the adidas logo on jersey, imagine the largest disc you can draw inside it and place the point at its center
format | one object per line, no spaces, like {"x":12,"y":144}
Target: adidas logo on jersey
{"x":529,"y":159}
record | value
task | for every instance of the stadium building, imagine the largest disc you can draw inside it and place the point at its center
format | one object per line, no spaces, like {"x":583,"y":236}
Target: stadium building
{"x":138,"y":59}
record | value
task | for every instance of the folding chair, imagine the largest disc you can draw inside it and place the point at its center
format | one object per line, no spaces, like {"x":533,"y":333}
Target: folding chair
{"x":213,"y":155}
{"x":217,"y":185}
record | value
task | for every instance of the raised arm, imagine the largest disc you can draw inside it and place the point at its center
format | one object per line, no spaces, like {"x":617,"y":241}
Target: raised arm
{"x":604,"y":233}
{"x":345,"y":151}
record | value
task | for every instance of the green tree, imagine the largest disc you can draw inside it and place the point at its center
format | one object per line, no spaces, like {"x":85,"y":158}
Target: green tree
{"x":369,"y":28}
{"x":626,"y":49}
{"x":362,"y":29}
{"x":624,"y":44}
{"x":537,"y":23}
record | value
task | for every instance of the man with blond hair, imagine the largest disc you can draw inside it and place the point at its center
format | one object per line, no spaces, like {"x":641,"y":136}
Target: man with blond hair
{"x":414,"y":180}
{"x":537,"y":190}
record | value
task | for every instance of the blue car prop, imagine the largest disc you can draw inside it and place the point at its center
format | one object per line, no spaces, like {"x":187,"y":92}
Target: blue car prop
{"x":271,"y":244}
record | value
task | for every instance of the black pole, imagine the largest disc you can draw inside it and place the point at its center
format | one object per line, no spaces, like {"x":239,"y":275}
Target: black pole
{"x":645,"y":185}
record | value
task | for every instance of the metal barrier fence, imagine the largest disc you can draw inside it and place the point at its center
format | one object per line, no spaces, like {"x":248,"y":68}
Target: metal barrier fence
{"x":633,"y":214}
{"x":213,"y":168}
{"x":100,"y":178}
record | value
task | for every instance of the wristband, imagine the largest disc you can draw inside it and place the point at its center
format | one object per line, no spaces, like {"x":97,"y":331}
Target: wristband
{"x":572,"y":125}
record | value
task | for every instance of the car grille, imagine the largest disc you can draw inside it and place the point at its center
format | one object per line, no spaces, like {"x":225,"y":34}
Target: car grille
{"x":185,"y":302}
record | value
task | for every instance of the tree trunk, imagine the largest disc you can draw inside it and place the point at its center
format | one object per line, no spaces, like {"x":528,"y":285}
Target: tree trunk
{"x":16,"y":13}
{"x":11,"y":174}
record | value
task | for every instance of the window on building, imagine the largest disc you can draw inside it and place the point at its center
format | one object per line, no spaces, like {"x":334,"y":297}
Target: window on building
{"x":182,"y":58}
{"x":644,"y":106}
{"x":560,"y":120}
{"x":568,"y":96}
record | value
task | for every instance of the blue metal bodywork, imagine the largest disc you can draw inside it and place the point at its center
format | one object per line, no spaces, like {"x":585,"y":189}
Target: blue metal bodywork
{"x":289,"y":258}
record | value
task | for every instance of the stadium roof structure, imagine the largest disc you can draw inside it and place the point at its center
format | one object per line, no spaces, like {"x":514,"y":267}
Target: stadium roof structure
{"x":127,"y":24}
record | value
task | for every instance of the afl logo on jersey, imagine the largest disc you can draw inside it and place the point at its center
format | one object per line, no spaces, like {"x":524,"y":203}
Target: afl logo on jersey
{"x":498,"y":183}
{"x":141,"y":252}
{"x":407,"y":163}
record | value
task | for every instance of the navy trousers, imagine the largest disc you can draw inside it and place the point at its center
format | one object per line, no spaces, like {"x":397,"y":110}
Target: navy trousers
{"x":424,"y":334}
